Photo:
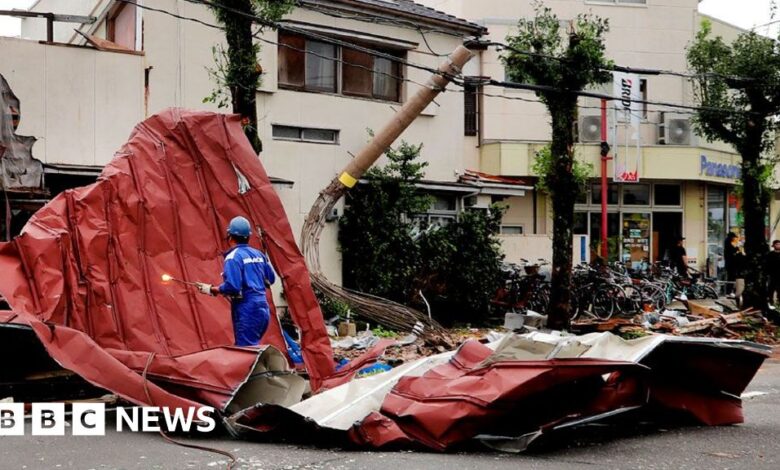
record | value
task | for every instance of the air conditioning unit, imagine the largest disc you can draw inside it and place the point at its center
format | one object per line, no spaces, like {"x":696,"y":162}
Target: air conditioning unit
{"x":477,"y":202}
{"x":675,"y":129}
{"x":589,"y":128}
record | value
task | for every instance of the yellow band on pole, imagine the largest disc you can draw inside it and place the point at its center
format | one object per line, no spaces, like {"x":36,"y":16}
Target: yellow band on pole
{"x":347,"y":180}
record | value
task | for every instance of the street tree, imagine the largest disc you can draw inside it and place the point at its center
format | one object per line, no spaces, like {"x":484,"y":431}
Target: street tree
{"x":737,"y":87}
{"x":237,"y":69}
{"x":564,"y":59}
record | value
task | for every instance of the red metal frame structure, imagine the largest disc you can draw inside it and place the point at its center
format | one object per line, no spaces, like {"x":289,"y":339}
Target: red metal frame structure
{"x":604,"y":159}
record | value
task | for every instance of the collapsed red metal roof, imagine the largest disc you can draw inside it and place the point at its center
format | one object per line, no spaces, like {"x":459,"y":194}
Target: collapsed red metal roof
{"x":86,"y":272}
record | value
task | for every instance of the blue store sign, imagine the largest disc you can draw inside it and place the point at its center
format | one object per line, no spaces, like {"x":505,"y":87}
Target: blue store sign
{"x":719,"y":170}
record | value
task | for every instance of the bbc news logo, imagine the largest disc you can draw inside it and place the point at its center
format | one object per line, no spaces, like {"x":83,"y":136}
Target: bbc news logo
{"x":89,"y":419}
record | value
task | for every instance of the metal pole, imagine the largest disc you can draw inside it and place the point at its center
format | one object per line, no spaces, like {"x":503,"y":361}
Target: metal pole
{"x":604,"y":159}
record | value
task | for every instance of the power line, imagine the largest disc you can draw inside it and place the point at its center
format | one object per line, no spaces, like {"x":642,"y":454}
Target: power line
{"x":278,"y":44}
{"x":590,"y":94}
{"x":455,"y":80}
{"x":367,"y":18}
{"x":314,"y":35}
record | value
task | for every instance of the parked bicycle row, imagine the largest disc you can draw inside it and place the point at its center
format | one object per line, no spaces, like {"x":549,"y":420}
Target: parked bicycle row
{"x":601,"y":291}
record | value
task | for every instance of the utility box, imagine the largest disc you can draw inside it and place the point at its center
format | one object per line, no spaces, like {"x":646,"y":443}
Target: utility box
{"x":581,"y":248}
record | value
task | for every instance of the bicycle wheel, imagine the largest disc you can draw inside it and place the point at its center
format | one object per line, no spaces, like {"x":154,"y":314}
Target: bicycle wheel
{"x":540,"y":299}
{"x":708,"y":292}
{"x":655,"y":295}
{"x":606,"y":299}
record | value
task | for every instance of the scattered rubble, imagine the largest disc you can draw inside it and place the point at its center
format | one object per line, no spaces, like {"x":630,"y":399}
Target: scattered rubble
{"x":703,"y":318}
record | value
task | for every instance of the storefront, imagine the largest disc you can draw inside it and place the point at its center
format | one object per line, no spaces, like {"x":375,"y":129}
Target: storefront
{"x":643,"y":220}
{"x":724,"y":215}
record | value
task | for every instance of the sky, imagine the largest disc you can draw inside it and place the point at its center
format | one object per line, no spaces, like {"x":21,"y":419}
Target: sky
{"x":10,"y":26}
{"x":744,"y":13}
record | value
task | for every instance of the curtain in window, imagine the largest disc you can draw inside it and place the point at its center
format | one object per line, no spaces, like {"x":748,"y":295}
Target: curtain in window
{"x":320,"y":71}
{"x":385,"y":86}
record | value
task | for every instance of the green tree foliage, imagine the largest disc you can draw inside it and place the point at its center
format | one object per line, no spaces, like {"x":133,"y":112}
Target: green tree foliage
{"x":568,"y":59}
{"x":461,"y":269}
{"x":388,"y":253}
{"x":543,"y":167}
{"x":237,"y":69}
{"x":738,"y":89}
{"x":379,"y":251}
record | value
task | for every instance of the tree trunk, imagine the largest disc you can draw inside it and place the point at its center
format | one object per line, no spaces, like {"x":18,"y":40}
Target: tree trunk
{"x":243,"y":71}
{"x":563,"y":187}
{"x":754,"y":204}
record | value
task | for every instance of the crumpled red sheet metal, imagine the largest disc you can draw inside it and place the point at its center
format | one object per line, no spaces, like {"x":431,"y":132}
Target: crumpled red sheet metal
{"x":86,"y":272}
{"x":483,"y":394}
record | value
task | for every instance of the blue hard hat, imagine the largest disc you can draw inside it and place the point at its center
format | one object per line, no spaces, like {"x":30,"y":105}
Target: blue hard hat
{"x":239,"y":227}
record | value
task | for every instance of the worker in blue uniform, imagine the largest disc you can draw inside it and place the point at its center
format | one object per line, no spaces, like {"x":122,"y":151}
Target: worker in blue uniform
{"x":247,"y":272}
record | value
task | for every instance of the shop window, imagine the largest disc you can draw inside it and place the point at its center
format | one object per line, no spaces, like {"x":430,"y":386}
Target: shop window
{"x":613,"y":234}
{"x":310,"y":65}
{"x":511,"y":230}
{"x":667,"y":195}
{"x":305,"y":134}
{"x":612,"y":193}
{"x":580,"y":223}
{"x":121,"y":25}
{"x":636,"y":194}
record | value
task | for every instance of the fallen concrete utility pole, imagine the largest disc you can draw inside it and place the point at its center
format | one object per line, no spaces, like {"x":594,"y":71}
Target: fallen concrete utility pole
{"x":374,"y":308}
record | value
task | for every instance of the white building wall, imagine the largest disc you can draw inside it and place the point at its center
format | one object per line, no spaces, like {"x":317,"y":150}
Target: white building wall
{"x":81,"y":104}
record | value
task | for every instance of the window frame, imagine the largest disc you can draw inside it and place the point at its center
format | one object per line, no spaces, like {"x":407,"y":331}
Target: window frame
{"x":341,"y":68}
{"x":301,"y":134}
{"x":520,"y":226}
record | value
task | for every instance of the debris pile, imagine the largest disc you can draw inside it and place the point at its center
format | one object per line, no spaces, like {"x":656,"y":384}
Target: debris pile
{"x":702,"y":318}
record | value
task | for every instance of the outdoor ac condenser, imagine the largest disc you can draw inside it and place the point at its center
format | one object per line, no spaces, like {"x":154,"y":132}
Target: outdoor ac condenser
{"x":675,"y":129}
{"x":590,"y":128}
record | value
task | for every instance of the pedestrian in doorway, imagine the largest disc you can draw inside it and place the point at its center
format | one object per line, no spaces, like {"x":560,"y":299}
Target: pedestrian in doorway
{"x":730,"y":252}
{"x":678,"y":257}
{"x":773,"y":272}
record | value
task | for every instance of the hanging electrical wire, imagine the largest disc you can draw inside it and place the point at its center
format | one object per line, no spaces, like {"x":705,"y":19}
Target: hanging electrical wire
{"x":455,"y":80}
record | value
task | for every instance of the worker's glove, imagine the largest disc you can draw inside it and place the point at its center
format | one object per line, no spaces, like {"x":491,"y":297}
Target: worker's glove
{"x":204,"y":288}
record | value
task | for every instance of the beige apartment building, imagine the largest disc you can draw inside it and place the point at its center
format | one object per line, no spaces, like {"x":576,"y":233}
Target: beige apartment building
{"x":313,"y":112}
{"x":686,"y":184}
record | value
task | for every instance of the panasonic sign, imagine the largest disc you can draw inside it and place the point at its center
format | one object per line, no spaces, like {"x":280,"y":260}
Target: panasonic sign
{"x":719,"y":170}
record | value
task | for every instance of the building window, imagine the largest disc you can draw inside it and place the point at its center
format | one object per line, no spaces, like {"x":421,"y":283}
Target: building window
{"x":121,"y":25}
{"x":612,"y":193}
{"x":305,"y":134}
{"x":643,"y":93}
{"x":442,"y":212}
{"x":320,"y":67}
{"x":636,"y":194}
{"x":470,"y":109}
{"x":309,"y":65}
{"x":622,"y":2}
{"x":511,"y":230}
{"x":667,"y":195}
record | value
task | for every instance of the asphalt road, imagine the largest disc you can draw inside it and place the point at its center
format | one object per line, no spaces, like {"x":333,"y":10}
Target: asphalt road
{"x":752,"y":445}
